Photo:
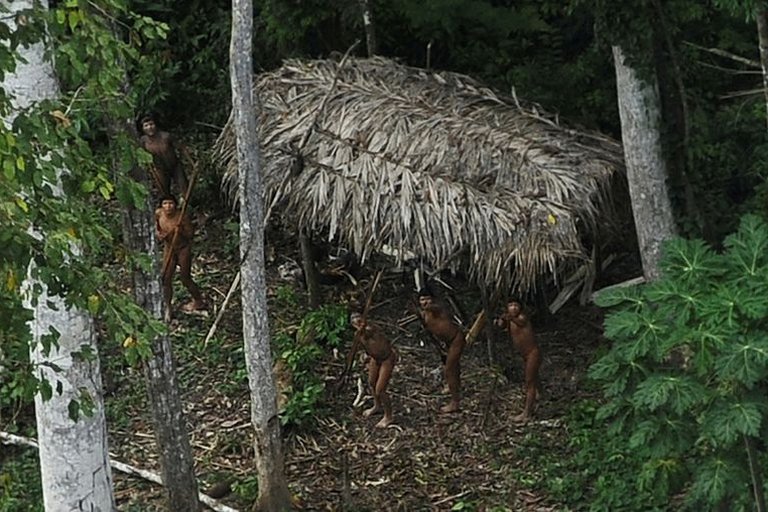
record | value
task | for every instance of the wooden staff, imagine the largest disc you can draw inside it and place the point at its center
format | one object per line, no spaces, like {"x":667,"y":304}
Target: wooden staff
{"x":169,"y":255}
{"x":481,"y":319}
{"x":358,"y":336}
{"x":153,"y":172}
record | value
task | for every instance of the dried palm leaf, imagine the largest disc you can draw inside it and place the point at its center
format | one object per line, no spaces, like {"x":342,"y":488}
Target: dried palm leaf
{"x":428,"y":163}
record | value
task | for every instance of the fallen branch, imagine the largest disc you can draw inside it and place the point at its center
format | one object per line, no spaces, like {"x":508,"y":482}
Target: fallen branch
{"x":213,"y":504}
{"x":223,"y":307}
{"x":407,"y":320}
{"x":726,"y":54}
{"x":360,"y":398}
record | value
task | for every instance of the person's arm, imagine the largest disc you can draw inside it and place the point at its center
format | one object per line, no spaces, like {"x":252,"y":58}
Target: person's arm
{"x":158,"y":229}
{"x":520,"y":320}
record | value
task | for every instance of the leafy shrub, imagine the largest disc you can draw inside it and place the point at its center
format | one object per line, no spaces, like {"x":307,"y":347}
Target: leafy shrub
{"x":20,"y":488}
{"x":301,"y":356}
{"x":685,"y":380}
{"x":325,"y":324}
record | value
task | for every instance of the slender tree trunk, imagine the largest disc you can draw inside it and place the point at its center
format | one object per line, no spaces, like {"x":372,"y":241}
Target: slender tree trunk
{"x":273,"y":488}
{"x":171,"y":436}
{"x":370,"y":27}
{"x":177,"y":462}
{"x":311,"y":278}
{"x":639,"y":109}
{"x":762,"y":34}
{"x":74,"y":457}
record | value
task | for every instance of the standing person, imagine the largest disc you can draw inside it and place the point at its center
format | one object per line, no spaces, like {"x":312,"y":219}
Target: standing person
{"x":167,"y":166}
{"x":176,"y":232}
{"x":439,"y":323}
{"x":520,"y":330}
{"x":382,"y":359}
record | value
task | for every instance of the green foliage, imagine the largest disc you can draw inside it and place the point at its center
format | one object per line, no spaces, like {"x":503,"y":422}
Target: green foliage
{"x":61,"y":140}
{"x":20,"y":487}
{"x":685,"y":378}
{"x":592,"y":472}
{"x":325,"y":324}
{"x":319,"y":331}
{"x":286,"y":296}
{"x":247,"y":489}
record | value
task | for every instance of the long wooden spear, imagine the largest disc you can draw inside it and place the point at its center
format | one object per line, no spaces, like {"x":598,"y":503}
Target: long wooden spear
{"x":169,"y":255}
{"x":358,"y":337}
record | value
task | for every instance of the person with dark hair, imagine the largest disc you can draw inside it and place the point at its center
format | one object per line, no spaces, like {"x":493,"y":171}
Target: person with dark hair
{"x":163,"y":147}
{"x":521,"y":333}
{"x":382,"y":358}
{"x":439,"y":323}
{"x":176,"y":232}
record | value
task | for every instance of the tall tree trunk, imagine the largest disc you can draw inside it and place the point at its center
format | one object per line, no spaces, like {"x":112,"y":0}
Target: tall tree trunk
{"x":370,"y":27}
{"x":639,"y":109}
{"x":171,"y":436}
{"x":762,"y":35}
{"x":273,"y":488}
{"x":177,"y":462}
{"x":74,"y":457}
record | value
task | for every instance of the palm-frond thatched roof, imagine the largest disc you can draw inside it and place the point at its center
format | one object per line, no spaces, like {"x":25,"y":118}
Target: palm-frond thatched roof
{"x":432,"y":163}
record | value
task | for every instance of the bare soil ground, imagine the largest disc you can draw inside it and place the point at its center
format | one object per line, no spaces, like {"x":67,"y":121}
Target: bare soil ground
{"x":476,"y":458}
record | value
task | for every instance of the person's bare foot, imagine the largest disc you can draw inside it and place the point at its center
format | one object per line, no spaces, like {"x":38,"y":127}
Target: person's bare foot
{"x":451,"y":406}
{"x":384,"y":422}
{"x":370,"y":411}
{"x":194,"y":305}
{"x":521,"y":419}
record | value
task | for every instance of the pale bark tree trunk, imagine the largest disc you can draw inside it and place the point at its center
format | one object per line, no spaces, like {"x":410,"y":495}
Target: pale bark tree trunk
{"x":762,"y":35}
{"x":639,"y":109}
{"x":370,"y":27}
{"x":74,"y":457}
{"x":273,"y":488}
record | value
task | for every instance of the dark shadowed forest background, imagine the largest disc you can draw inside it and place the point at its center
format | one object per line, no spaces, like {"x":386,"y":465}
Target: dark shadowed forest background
{"x":654,"y":395}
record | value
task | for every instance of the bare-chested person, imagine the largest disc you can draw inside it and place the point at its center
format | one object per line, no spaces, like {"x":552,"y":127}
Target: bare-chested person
{"x":382,"y":358}
{"x":163,"y":148}
{"x":521,"y":332}
{"x":439,"y":323}
{"x":177,"y":250}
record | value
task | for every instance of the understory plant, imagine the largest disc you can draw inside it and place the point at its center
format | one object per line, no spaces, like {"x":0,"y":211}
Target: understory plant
{"x":684,"y":382}
{"x":302,"y":390}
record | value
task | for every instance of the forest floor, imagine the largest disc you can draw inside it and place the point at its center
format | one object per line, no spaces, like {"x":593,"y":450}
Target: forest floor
{"x":476,"y":459}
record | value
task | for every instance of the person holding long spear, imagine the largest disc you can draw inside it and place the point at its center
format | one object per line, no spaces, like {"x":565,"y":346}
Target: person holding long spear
{"x":174,"y":229}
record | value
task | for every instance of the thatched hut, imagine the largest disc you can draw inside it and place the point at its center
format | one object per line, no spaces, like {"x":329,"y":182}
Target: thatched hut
{"x":431,"y":163}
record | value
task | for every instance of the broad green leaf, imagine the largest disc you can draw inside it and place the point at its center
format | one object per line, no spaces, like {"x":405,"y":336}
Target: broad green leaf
{"x":46,"y":391}
{"x":690,"y":261}
{"x":93,"y":304}
{"x":744,"y":359}
{"x":622,"y":325}
{"x":726,"y":422}
{"x":643,"y":433}
{"x":712,"y":481}
{"x":9,"y":168}
{"x":74,"y":410}
{"x":21,"y":204}
{"x":748,"y":247}
{"x":677,"y":392}
{"x":615,"y":296}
